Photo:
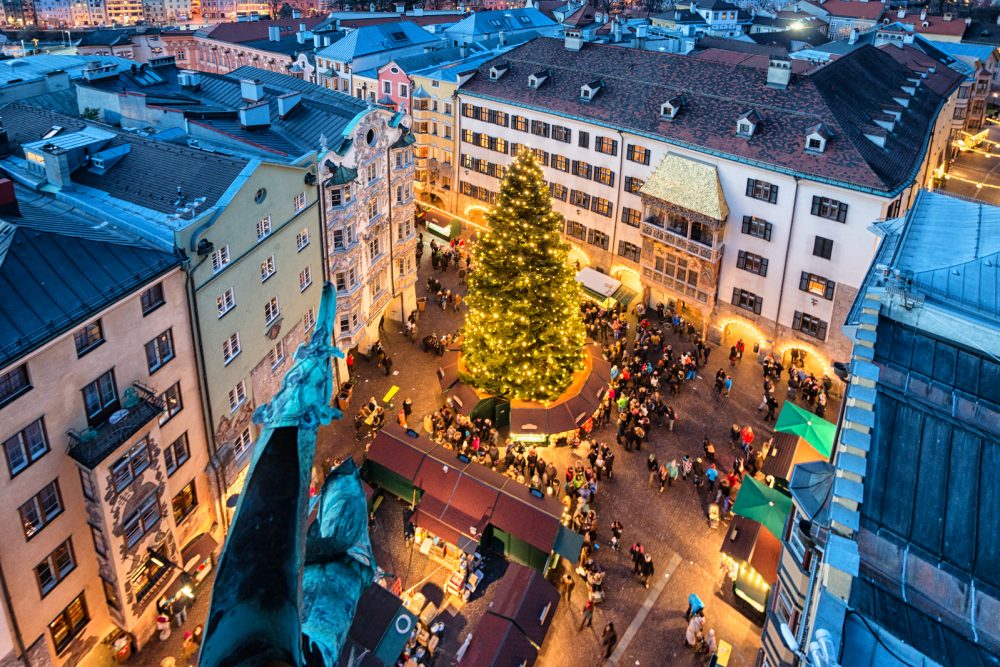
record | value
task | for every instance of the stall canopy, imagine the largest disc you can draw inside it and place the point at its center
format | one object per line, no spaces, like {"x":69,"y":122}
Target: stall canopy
{"x":497,"y":642}
{"x":461,"y":498}
{"x":817,"y":431}
{"x":602,"y":287}
{"x":763,"y":504}
{"x":381,"y":626}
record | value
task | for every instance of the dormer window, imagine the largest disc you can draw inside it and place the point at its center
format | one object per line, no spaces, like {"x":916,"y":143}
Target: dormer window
{"x":816,"y":138}
{"x":672,"y":107}
{"x":497,"y":71}
{"x":588,"y":91}
{"x":537,"y":79}
{"x":747,"y":124}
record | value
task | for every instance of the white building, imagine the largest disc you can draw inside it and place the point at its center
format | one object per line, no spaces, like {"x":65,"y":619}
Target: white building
{"x":740,"y":195}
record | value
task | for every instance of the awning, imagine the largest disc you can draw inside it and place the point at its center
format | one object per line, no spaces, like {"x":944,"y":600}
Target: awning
{"x":526,"y":517}
{"x":762,"y":503}
{"x":463,"y":397}
{"x":496,"y":642}
{"x":404,"y":461}
{"x":197,"y":550}
{"x":600,"y":284}
{"x":569,"y":543}
{"x":815,"y":430}
{"x":524,"y":595}
{"x":447,"y":371}
{"x":449,"y":524}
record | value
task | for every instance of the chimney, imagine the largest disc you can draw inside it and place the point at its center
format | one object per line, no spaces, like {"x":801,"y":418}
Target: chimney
{"x":616,"y":30}
{"x":779,"y":72}
{"x":502,"y":37}
{"x":274,"y":33}
{"x":317,"y":41}
{"x":463,"y":51}
{"x":58,"y":171}
{"x":371,"y":8}
{"x":255,"y":116}
{"x":901,"y":14}
{"x":303,"y":27}
{"x":252,"y":89}
{"x":8,"y":198}
{"x":573,"y":41}
{"x":853,"y":39}
{"x":400,"y":8}
{"x":189,"y":79}
{"x":923,"y":14}
{"x":287,"y":102}
{"x":300,"y":37}
{"x":296,"y":13}
{"x":327,"y":41}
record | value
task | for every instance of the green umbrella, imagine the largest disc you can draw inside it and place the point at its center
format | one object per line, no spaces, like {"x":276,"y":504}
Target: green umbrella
{"x":815,"y":430}
{"x":763,"y":504}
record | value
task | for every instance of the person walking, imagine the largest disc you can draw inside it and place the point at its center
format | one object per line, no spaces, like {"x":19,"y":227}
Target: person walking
{"x":637,"y":553}
{"x":609,"y":638}
{"x":693,"y":633}
{"x":387,"y":364}
{"x":654,"y":469}
{"x":646,"y":570}
{"x":567,"y":586}
{"x":588,"y":616}
{"x":350,"y":365}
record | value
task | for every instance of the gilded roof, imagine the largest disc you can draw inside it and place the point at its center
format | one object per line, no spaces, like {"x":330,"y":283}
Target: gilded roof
{"x":690,"y":184}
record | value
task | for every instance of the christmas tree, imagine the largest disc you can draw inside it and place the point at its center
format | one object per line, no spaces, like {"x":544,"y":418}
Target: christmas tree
{"x":523,"y":337}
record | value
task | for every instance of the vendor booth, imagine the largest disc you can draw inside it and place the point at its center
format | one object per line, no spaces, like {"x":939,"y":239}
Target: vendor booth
{"x":604,"y":289}
{"x":462,"y":504}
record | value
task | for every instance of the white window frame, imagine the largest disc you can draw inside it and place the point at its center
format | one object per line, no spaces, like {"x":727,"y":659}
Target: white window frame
{"x":237,"y":396}
{"x":267,"y":268}
{"x":272,"y":311}
{"x":302,"y":240}
{"x":220,"y":258}
{"x":243,"y":442}
{"x":299,"y":202}
{"x":277,"y":354}
{"x":264,"y":228}
{"x":226,"y":302}
{"x":231,"y":348}
{"x":305,"y":278}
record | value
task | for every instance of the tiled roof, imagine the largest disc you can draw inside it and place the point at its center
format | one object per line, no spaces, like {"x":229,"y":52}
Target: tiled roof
{"x":936,"y":25}
{"x":377,"y":39}
{"x":148,"y":175}
{"x":105,"y":38}
{"x":247,"y":31}
{"x":852,"y":9}
{"x":288,"y":44}
{"x":841,"y":95}
{"x":36,"y":67}
{"x":59,"y":269}
{"x":582,"y":17}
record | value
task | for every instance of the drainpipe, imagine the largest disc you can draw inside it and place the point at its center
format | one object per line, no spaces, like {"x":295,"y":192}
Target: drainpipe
{"x":618,"y":206}
{"x":206,"y":406}
{"x":392,"y":259}
{"x":9,"y":608}
{"x":784,"y":268}
{"x":325,"y":262}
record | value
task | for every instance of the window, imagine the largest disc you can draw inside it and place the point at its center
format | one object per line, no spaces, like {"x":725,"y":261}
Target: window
{"x":26,"y":446}
{"x":823,"y":247}
{"x":579,"y":198}
{"x":560,"y":162}
{"x":637,"y":154}
{"x":100,"y":398}
{"x":87,"y":485}
{"x":142,"y":520}
{"x":630,"y":216}
{"x":41,"y":509}
{"x":130,"y":466}
{"x":558,"y":191}
{"x":263,"y":228}
{"x":756,"y":227}
{"x":374,"y":249}
{"x":172,"y":403}
{"x":226,"y":302}
{"x":959,"y":113}
{"x":563,"y":134}
{"x":100,"y":544}
{"x":747,"y":300}
{"x":387,"y":87}
{"x":338,"y":239}
{"x":576,"y":230}
{"x":602,"y":206}
{"x":830,"y":209}
{"x":160,"y":350}
{"x":302,"y":240}
{"x":237,"y":395}
{"x":55,"y":567}
{"x":68,"y":624}
{"x":13,"y":383}
{"x":818,"y":285}
{"x":184,"y":502}
{"x":145,"y":579}
{"x":597,"y":238}
{"x":277,"y":354}
{"x":220,"y":259}
{"x":751,"y":262}
{"x":582,"y":169}
{"x":151,"y":298}
{"x":267,"y":268}
{"x":271,"y":311}
{"x":231,"y":348}
{"x":243,"y":442}
{"x":299,"y":202}
{"x":309,"y":319}
{"x":176,"y":454}
{"x":543,"y":157}
{"x":628,"y":250}
{"x":604,"y":176}
{"x":519,"y":123}
{"x":809,"y":325}
{"x":633,"y":184}
{"x":762,"y":190}
{"x":305,"y":278}
{"x":606,"y":145}
{"x":583,"y":139}
{"x":539,"y":129}
{"x":88,"y":337}
{"x":110,"y":594}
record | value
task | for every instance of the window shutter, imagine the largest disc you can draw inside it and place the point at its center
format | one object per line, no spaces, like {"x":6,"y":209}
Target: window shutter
{"x":611,"y":179}
{"x":736,"y":296}
{"x":749,"y":187}
{"x":741,"y":260}
{"x":842,"y":213}
{"x":804,"y":281}
{"x":815,"y":205}
{"x":763,"y":267}
{"x":797,"y":321}
{"x":774,"y":194}
{"x":821,"y":330}
{"x":829,"y":289}
{"x":746,"y":224}
{"x":614,"y":147}
{"x":757,"y":304}
{"x":767,"y":231}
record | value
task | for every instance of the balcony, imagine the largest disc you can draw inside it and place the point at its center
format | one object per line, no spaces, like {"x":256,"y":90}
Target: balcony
{"x":140,"y":405}
{"x":653,"y":228}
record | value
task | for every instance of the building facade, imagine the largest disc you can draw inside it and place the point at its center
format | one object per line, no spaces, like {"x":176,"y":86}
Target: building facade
{"x":103,"y":434}
{"x":742,"y":224}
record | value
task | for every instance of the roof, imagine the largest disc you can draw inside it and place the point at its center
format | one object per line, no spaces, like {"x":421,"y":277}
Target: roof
{"x":247,"y":31}
{"x":491,"y":22}
{"x":14,"y":70}
{"x":936,"y":25}
{"x":523,"y":594}
{"x":715,"y":5}
{"x":148,"y":175}
{"x":288,"y":44}
{"x":378,"y":38}
{"x":842,"y":95}
{"x":105,"y":38}
{"x":498,"y":643}
{"x":871,"y":11}
{"x":58,"y":268}
{"x":690,"y":184}
{"x":981,"y":52}
{"x":583,"y":16}
{"x":421,"y":20}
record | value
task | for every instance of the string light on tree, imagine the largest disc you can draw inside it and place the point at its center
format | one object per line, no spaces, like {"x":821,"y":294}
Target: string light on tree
{"x":523,"y":336}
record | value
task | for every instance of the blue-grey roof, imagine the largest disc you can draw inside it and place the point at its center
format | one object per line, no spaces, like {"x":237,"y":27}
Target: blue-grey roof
{"x":378,"y":38}
{"x":491,"y":22}
{"x":963,"y":50}
{"x":59,"y":268}
{"x":37,"y":67}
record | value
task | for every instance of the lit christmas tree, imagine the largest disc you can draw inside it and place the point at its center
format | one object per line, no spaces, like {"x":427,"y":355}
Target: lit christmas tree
{"x":523,"y":334}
